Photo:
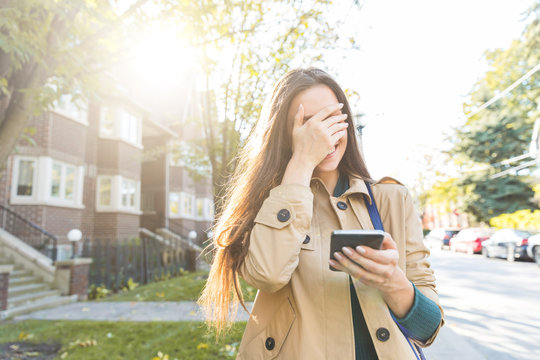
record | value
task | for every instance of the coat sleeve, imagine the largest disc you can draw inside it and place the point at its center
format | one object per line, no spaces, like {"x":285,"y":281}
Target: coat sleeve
{"x":417,"y":266}
{"x":279,"y":229}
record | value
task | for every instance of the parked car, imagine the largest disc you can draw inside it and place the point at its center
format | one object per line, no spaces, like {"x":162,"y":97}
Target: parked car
{"x":470,"y":240}
{"x":440,"y":237}
{"x":509,"y":244}
{"x":533,"y":249}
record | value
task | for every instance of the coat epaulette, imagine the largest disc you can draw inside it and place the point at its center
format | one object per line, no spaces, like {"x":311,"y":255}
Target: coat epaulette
{"x":388,"y":180}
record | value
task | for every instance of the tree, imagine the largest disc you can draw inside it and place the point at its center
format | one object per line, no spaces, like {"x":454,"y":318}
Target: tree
{"x":54,"y":47}
{"x":241,"y":47}
{"x":263,"y":40}
{"x":502,"y":130}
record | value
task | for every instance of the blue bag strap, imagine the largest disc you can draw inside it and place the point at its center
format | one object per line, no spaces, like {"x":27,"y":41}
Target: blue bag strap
{"x":373,"y":211}
{"x":378,"y":225}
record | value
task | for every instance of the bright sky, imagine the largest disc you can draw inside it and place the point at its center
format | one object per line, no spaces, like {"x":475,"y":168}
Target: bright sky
{"x":419,"y":59}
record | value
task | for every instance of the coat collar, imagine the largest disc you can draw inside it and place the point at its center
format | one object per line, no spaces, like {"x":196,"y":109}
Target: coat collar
{"x":356,"y":185}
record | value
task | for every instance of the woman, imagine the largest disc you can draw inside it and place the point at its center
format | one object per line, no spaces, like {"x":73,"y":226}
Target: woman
{"x":300,"y":177}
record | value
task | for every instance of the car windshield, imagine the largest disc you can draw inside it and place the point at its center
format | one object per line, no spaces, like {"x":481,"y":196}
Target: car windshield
{"x":523,"y":234}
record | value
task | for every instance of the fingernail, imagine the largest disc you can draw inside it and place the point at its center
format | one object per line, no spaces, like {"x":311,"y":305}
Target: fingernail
{"x":337,"y":256}
{"x":340,"y":105}
{"x":300,"y":107}
{"x":347,"y":251}
{"x":361,"y":250}
{"x":332,"y":262}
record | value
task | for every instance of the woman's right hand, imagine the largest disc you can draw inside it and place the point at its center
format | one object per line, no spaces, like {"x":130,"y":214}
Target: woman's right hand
{"x":314,"y":139}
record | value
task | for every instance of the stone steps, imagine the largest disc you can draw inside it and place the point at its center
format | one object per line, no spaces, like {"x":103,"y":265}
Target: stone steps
{"x":23,"y":299}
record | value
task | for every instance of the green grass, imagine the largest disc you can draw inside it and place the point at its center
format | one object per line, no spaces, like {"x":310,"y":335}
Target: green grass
{"x":126,"y":340}
{"x":186,"y":287}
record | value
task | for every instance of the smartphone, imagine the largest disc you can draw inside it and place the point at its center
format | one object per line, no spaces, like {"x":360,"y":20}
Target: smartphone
{"x":353,"y":238}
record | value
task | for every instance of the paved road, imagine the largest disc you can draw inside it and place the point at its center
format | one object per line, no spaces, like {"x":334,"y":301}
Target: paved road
{"x":492,"y":303}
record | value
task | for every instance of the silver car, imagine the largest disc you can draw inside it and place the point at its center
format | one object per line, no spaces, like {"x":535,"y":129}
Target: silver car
{"x":509,"y":244}
{"x":533,"y":249}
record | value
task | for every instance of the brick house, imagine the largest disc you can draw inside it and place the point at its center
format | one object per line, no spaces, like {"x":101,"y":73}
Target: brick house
{"x":85,"y":168}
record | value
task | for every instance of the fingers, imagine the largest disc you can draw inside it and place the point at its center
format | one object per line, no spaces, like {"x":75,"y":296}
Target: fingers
{"x":387,"y":256}
{"x":335,"y":138}
{"x":337,"y":127}
{"x":326,"y":112}
{"x":299,"y":117}
{"x":388,"y":242}
{"x":376,"y":267}
{"x":335,"y":119}
{"x":345,"y":264}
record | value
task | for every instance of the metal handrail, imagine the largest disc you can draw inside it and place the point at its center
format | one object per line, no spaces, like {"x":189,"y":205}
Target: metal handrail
{"x":33,"y":226}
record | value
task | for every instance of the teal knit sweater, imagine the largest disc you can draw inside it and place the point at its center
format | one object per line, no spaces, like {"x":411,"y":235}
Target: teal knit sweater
{"x":422,"y":319}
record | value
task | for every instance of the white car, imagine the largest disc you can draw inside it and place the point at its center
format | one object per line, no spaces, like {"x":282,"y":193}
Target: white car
{"x":533,"y":250}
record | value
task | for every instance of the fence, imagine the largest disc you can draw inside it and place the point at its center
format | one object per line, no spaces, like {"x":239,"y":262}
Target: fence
{"x":30,"y":233}
{"x":143,"y":259}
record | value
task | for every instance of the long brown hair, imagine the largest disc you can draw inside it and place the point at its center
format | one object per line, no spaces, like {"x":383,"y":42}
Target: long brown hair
{"x":261,"y":165}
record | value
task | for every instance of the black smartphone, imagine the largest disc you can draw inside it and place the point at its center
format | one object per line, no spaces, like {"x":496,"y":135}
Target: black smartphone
{"x":353,"y":238}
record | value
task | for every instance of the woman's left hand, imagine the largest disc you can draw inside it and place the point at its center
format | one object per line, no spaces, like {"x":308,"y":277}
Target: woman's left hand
{"x":379,"y":269}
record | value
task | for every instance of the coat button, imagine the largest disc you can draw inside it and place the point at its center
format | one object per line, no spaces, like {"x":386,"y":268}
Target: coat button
{"x":383,"y":334}
{"x":283,"y":215}
{"x":306,"y":240}
{"x":341,"y":205}
{"x":270,"y":343}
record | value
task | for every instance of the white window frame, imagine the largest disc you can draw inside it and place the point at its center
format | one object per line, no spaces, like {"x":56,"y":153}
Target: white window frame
{"x":184,"y":200}
{"x":100,"y":206}
{"x":209,"y":209}
{"x":116,"y":195}
{"x":177,"y":202}
{"x":22,"y":199}
{"x":41,"y":191}
{"x":200,"y":201}
{"x":118,"y":122}
{"x":182,"y":213}
{"x":82,"y":109}
{"x":131,"y":184}
{"x":77,"y":180}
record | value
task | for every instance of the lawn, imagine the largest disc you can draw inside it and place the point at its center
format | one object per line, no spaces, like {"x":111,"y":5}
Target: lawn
{"x":123,"y":340}
{"x":186,"y":287}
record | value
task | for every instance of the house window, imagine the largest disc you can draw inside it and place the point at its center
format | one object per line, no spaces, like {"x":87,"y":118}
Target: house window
{"x":72,"y":107}
{"x":105,"y":191}
{"x":61,"y":184}
{"x":128,"y":190}
{"x":209,"y":209}
{"x":62,"y":181}
{"x":174,"y":204}
{"x":129,"y":127}
{"x":181,"y":204}
{"x":200,"y":208}
{"x":106,"y":128}
{"x":116,"y":193}
{"x":25,"y":177}
{"x":118,"y":123}
{"x":188,"y":205}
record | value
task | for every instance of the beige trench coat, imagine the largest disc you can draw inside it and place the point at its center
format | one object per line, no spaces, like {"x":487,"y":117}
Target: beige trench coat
{"x":303,"y":309}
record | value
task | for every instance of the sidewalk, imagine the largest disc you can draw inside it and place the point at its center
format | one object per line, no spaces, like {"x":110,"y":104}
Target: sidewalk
{"x":448,"y":346}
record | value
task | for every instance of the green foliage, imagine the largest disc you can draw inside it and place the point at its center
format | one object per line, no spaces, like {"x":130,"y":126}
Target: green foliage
{"x":97,"y":292}
{"x":502,"y":130}
{"x":185,"y":287}
{"x":130,"y":285}
{"x":485,"y":198}
{"x":522,"y":219}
